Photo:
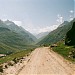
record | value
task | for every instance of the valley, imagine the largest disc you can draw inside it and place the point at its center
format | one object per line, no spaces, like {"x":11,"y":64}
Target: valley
{"x":43,"y":61}
{"x":37,"y":37}
{"x":25,"y":54}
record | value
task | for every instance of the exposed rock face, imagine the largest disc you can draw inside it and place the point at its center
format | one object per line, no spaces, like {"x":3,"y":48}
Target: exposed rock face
{"x":70,"y":36}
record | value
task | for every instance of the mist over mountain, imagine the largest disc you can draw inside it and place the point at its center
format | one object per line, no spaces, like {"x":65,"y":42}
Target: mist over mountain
{"x":64,"y":23}
{"x":41,"y":35}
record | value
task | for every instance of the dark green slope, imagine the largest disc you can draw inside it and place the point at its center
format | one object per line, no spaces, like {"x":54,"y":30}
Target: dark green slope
{"x":58,"y":34}
{"x":70,"y":36}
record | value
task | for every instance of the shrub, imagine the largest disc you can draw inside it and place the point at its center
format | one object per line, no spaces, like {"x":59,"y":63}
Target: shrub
{"x":1,"y":68}
{"x":10,"y":63}
{"x":72,"y":53}
{"x":16,"y":60}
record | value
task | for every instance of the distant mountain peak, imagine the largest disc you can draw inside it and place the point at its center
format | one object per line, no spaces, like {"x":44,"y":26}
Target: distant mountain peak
{"x":42,"y":34}
{"x":64,"y":23}
{"x":1,"y":21}
{"x":14,"y":37}
{"x":8,"y":22}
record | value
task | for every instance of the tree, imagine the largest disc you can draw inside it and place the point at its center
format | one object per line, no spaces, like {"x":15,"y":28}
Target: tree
{"x":70,"y":36}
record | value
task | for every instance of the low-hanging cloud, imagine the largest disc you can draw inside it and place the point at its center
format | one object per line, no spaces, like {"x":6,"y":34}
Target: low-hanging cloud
{"x":44,"y":29}
{"x":60,"y":19}
{"x":71,"y":14}
{"x":71,"y":11}
{"x":48,"y":28}
{"x":19,"y":23}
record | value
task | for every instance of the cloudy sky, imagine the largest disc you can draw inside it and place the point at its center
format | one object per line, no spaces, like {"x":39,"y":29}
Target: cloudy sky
{"x":37,"y":15}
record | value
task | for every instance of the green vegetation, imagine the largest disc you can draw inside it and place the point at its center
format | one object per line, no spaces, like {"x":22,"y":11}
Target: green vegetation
{"x":8,"y":49}
{"x":58,"y":34}
{"x":1,"y":68}
{"x":18,"y":29}
{"x":14,"y":38}
{"x":70,"y":36}
{"x":16,"y":55}
{"x":15,"y":42}
{"x":64,"y":50}
{"x":5,"y":49}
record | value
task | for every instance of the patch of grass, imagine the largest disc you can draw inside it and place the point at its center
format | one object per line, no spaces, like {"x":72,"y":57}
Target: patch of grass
{"x":64,"y":50}
{"x":8,"y":49}
{"x":15,"y":55}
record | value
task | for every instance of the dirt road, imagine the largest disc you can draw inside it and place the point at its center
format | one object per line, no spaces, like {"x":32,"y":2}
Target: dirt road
{"x":45,"y":62}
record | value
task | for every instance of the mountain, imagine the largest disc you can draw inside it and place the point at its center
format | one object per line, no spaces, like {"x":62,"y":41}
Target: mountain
{"x":2,"y":24}
{"x":58,"y":34}
{"x":41,"y":35}
{"x":18,"y":29}
{"x":64,"y":23}
{"x":70,"y":36}
{"x":14,"y":38}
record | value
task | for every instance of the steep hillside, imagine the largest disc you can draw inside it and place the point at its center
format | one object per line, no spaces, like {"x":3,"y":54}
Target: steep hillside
{"x":18,"y":29}
{"x":14,"y":38}
{"x":70,"y":36}
{"x":64,"y":23}
{"x":58,"y":34}
{"x":9,"y":37}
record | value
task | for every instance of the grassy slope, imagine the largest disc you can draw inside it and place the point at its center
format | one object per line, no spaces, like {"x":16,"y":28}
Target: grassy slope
{"x":11,"y":41}
{"x":5,"y":49}
{"x":14,"y":38}
{"x":15,"y":43}
{"x":15,"y":55}
{"x":63,"y":50}
{"x":18,"y":29}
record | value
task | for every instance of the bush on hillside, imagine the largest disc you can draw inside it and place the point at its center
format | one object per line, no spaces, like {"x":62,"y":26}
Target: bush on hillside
{"x":70,"y":36}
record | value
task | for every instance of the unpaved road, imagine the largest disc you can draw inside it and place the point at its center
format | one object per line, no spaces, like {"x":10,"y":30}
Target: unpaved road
{"x":45,"y":62}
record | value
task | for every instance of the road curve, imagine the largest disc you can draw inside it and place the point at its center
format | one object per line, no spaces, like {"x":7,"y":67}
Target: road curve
{"x":45,"y":62}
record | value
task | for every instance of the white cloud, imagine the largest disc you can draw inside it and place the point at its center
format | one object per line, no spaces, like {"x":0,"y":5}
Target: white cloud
{"x":71,"y":19}
{"x":71,"y":11}
{"x":37,"y":30}
{"x":44,"y":29}
{"x":29,"y":26}
{"x":60,"y":19}
{"x":71,"y":14}
{"x":19,"y":23}
{"x":48,"y":28}
{"x":4,"y":19}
